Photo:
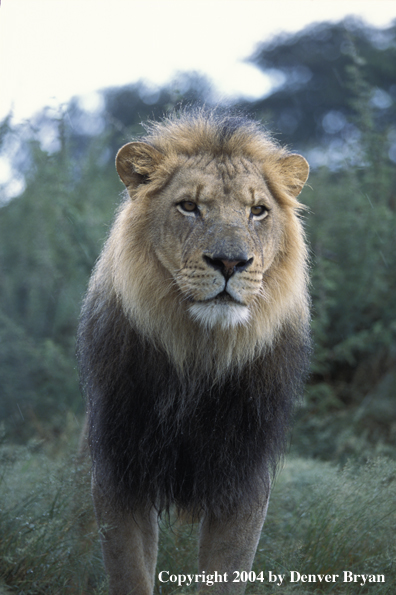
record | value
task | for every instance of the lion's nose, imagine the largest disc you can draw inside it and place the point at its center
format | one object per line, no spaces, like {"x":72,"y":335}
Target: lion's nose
{"x":228,"y":266}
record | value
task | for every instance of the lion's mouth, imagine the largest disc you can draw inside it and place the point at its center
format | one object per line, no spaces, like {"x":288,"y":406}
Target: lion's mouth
{"x":223,"y":298}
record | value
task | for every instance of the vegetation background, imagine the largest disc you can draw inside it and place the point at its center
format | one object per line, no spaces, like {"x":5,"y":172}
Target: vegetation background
{"x":333,"y":507}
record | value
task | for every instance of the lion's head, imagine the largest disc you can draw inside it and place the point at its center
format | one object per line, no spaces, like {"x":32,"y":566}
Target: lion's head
{"x":208,"y":251}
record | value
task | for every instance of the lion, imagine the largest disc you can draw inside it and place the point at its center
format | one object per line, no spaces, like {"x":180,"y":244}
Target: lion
{"x":194,"y":342}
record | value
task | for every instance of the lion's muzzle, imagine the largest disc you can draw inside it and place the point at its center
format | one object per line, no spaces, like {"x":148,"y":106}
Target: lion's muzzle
{"x":228,"y":265}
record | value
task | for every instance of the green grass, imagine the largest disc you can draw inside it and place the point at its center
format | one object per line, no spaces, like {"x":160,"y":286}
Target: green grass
{"x":48,"y":543}
{"x":325,"y":521}
{"x":321,"y":520}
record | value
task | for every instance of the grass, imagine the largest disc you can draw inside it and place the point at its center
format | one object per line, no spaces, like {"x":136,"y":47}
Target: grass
{"x":45,"y":544}
{"x":321,"y":520}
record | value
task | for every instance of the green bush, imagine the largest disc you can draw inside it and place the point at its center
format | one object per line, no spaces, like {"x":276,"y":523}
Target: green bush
{"x":321,"y":520}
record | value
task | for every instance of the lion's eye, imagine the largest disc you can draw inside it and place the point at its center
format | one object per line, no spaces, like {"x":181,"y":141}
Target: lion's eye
{"x":259,"y":211}
{"x":188,"y":206}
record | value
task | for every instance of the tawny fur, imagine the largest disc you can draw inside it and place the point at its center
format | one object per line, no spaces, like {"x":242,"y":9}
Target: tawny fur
{"x":147,"y":291}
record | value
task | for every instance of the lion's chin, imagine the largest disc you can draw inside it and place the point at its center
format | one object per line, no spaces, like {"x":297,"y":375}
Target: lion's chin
{"x":225,"y":315}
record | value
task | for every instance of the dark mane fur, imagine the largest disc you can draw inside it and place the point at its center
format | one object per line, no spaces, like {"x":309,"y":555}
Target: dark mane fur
{"x":193,"y":443}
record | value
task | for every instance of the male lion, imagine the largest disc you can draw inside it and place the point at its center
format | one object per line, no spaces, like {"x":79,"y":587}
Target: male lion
{"x":194,"y":341}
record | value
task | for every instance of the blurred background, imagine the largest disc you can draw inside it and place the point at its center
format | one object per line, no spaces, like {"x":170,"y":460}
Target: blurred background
{"x":77,"y":80}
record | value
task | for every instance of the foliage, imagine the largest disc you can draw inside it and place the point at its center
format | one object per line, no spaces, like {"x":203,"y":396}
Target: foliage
{"x":325,"y":520}
{"x":313,"y":104}
{"x":320,"y":520}
{"x":351,"y":230}
{"x":50,"y":238}
{"x":45,"y":546}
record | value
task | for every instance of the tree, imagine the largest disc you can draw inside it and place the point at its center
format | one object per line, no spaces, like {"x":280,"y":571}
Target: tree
{"x":313,"y":103}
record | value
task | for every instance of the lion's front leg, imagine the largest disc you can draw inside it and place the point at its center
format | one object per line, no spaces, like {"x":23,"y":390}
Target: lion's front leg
{"x":129,"y":546}
{"x":229,"y":546}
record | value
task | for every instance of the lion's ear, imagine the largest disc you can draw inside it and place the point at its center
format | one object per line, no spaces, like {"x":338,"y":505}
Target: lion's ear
{"x":295,"y":172}
{"x":135,"y":162}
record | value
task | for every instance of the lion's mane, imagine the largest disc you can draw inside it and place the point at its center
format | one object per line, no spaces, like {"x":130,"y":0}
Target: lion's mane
{"x":180,"y":414}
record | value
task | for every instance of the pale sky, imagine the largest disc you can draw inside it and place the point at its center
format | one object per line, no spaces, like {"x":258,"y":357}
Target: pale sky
{"x":51,"y":50}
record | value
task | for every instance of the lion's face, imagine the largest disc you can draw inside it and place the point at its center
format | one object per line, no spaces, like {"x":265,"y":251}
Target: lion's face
{"x":221,"y":231}
{"x":209,"y":240}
